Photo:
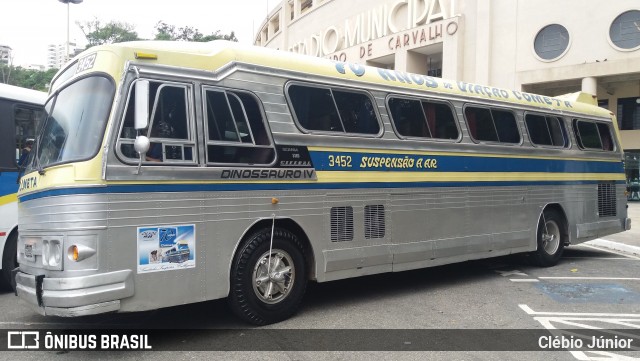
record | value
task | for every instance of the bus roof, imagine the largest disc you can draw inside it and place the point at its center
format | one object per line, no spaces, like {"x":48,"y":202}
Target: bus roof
{"x":212,"y":56}
{"x":22,"y":94}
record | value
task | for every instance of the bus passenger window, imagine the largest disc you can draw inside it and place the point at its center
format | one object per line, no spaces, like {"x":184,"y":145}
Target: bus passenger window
{"x":442,"y":123}
{"x":356,"y":112}
{"x":592,"y":135}
{"x":236,"y":129}
{"x":605,"y":137}
{"x":326,"y":109}
{"x":545,"y":130}
{"x":408,"y":118}
{"x":314,"y":108}
{"x":492,"y":125}
{"x":481,"y":124}
{"x":506,"y":126}
{"x":169,"y":128}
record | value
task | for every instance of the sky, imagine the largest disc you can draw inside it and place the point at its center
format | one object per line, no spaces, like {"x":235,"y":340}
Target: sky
{"x":28,"y":26}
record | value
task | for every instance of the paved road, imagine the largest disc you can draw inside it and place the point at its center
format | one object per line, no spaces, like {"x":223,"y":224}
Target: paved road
{"x":589,"y":288}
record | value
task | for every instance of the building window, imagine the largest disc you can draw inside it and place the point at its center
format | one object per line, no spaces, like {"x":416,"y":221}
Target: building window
{"x":631,"y":167}
{"x":603,"y":103}
{"x":629,"y":113}
{"x":305,"y":5}
{"x":625,"y":30}
{"x":551,"y":42}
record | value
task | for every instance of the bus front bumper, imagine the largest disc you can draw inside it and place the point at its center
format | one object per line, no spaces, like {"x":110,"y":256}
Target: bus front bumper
{"x":75,"y":296}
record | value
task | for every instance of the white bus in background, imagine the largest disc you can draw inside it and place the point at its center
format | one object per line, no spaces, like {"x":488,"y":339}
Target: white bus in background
{"x":21,"y":110}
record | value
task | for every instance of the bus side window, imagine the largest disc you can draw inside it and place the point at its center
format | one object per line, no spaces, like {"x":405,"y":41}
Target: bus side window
{"x":27,"y":122}
{"x":236,"y":129}
{"x":483,"y":129}
{"x":605,"y":137}
{"x":320,"y":108}
{"x":314,"y":108}
{"x":169,"y":129}
{"x":356,"y":112}
{"x":408,"y":118}
{"x":545,"y":130}
{"x":593,"y":135}
{"x":492,"y":125}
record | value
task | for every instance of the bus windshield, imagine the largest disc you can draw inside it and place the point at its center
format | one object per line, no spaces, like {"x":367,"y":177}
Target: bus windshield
{"x":75,"y":121}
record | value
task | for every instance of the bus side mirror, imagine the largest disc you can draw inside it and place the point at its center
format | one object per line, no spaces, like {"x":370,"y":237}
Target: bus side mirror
{"x":141,"y":145}
{"x":142,"y":104}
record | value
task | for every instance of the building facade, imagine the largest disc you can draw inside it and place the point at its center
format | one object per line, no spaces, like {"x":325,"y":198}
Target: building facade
{"x":57,"y":54}
{"x":547,"y":47}
{"x":5,"y":54}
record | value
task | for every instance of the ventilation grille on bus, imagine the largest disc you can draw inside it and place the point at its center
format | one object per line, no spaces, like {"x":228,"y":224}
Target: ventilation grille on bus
{"x":374,"y":225}
{"x":341,"y":224}
{"x":607,"y":199}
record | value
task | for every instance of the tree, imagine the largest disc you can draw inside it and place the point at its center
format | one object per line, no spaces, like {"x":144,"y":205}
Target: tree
{"x":26,"y":78}
{"x":112,"y":32}
{"x":165,"y":31}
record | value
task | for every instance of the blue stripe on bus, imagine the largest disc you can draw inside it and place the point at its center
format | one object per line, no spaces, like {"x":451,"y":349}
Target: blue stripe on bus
{"x":154,"y":188}
{"x":445,"y":163}
{"x":8,"y":183}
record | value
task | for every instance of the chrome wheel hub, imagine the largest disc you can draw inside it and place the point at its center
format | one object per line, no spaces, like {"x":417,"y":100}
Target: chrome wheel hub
{"x":551,"y":237}
{"x":273,"y":276}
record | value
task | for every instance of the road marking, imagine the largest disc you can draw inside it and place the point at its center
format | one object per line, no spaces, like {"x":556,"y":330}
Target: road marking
{"x":528,"y":310}
{"x":588,"y":321}
{"x":592,"y":278}
{"x":607,"y":258}
{"x":524,"y":280}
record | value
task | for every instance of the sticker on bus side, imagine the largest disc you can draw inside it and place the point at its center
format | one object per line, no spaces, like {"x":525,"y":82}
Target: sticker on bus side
{"x":165,"y":248}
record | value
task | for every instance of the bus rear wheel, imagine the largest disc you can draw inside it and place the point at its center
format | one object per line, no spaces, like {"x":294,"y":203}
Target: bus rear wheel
{"x":268,"y":282}
{"x":551,"y":237}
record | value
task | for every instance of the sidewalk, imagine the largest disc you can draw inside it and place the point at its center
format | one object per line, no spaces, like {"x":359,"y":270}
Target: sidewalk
{"x":629,"y":241}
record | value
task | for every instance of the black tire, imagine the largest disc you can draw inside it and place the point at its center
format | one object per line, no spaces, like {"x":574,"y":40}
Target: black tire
{"x":9,"y":261}
{"x":551,"y":236}
{"x":249,"y":297}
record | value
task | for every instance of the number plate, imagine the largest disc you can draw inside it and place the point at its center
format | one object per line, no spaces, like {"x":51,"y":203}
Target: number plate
{"x":28,"y":252}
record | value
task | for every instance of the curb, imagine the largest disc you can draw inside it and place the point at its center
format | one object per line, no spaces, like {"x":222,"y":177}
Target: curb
{"x":616,"y":246}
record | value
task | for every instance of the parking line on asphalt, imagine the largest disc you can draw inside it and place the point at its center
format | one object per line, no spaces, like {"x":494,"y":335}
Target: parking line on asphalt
{"x":528,"y":310}
{"x":591,"y":278}
{"x":524,"y":280}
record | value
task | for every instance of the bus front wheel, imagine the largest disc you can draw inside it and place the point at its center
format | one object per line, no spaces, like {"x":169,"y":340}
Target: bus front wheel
{"x":551,"y":237}
{"x":9,"y":261}
{"x":268,"y":281}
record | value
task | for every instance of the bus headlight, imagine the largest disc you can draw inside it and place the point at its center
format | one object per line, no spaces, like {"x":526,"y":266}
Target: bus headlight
{"x":52,"y":254}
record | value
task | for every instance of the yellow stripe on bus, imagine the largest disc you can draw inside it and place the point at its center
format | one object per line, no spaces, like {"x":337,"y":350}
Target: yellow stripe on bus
{"x":9,"y":198}
{"x":379,"y":177}
{"x":460,"y":154}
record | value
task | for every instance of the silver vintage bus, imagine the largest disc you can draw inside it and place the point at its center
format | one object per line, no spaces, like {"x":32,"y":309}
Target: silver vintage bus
{"x":172,"y":173}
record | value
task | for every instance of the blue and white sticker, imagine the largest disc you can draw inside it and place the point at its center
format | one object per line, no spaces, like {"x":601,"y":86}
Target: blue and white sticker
{"x":165,"y":248}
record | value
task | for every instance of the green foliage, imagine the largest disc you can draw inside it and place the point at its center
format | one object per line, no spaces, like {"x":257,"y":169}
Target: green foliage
{"x":98,"y":34}
{"x":165,"y":31}
{"x":26,"y":78}
{"x":112,"y":32}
